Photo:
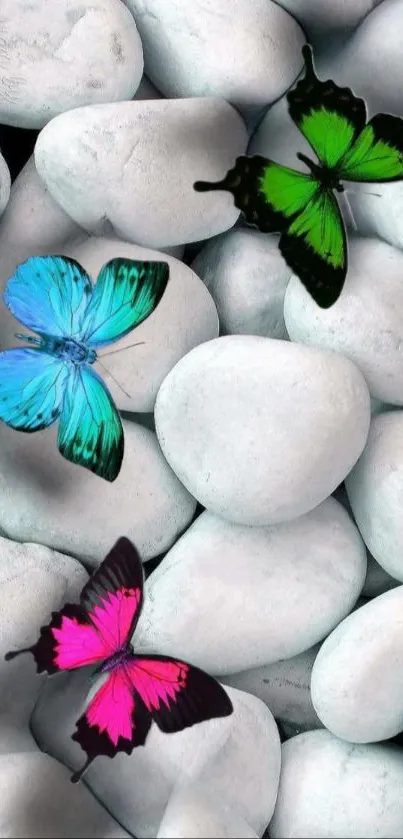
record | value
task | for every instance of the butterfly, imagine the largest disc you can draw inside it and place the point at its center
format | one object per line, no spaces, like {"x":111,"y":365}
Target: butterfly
{"x":138,"y":688}
{"x":303,"y":207}
{"x":54,"y":380}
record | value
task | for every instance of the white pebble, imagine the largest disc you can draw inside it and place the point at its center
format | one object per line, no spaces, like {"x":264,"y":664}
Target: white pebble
{"x":301,"y":578}
{"x":239,"y":440}
{"x":49,"y":500}
{"x":128,"y":168}
{"x":375,"y":491}
{"x":248,"y":54}
{"x":357,"y":678}
{"x":247,"y":277}
{"x":61,"y":55}
{"x":366,"y":322}
{"x":36,"y":799}
{"x":329,"y":788}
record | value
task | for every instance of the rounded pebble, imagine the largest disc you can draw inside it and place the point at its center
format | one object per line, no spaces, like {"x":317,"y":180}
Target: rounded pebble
{"x":94,"y":160}
{"x":366,"y":322}
{"x":38,"y":800}
{"x":47,"y":499}
{"x":69,"y":53}
{"x":375,"y":491}
{"x":362,"y":658}
{"x":300,"y":577}
{"x":204,"y":48}
{"x":247,"y":278}
{"x":329,"y":788}
{"x":239,"y":443}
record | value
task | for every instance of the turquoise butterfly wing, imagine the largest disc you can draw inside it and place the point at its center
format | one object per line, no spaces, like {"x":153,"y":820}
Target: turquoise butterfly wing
{"x":32,"y":386}
{"x":54,"y":297}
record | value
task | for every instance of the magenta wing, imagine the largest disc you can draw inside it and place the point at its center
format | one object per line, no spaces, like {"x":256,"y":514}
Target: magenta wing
{"x":144,"y":688}
{"x":88,"y":633}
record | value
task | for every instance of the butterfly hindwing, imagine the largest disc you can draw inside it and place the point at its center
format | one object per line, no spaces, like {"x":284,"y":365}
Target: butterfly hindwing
{"x":31,"y":388}
{"x":90,"y":428}
{"x":126,"y":292}
{"x":145,"y":688}
{"x":315,"y":247}
{"x":267,"y":193}
{"x":329,"y":117}
{"x":49,"y":294}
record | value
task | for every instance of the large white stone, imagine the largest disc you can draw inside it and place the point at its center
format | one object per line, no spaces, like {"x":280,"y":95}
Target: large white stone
{"x":37,"y":799}
{"x":362,"y":658}
{"x":45,"y":498}
{"x":301,"y":578}
{"x":128,"y":167}
{"x":248,"y":55}
{"x":285,"y":688}
{"x":237,"y":416}
{"x":34,"y":581}
{"x":186,"y":316}
{"x":366,"y":322}
{"x":235,"y":759}
{"x":329,"y":788}
{"x":57,"y":56}
{"x":247,"y":277}
{"x":375,"y":490}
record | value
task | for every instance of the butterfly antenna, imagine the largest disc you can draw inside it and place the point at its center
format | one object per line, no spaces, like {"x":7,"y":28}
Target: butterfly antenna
{"x":76,"y":776}
{"x":112,"y":377}
{"x":123,"y":348}
{"x":350,"y":212}
{"x":10,"y":656}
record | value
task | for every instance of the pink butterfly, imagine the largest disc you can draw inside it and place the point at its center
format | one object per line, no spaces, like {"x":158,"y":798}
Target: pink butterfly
{"x":138,"y":688}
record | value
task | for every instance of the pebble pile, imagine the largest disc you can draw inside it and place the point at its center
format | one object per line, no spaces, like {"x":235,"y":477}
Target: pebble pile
{"x":263,"y":467}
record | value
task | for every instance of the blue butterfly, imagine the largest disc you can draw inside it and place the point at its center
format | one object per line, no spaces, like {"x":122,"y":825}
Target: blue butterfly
{"x":54,"y":297}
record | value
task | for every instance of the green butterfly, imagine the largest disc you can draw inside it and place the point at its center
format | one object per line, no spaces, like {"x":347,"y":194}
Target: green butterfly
{"x":302,"y":207}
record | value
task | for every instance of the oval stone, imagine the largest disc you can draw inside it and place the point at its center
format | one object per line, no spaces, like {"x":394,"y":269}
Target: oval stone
{"x":329,"y":788}
{"x":362,"y":659}
{"x":301,"y":578}
{"x":261,"y":430}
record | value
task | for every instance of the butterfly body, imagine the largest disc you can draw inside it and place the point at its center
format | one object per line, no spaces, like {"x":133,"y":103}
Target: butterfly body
{"x":122,"y":656}
{"x":327,"y":176}
{"x":136,"y":689}
{"x":303,"y":207}
{"x":53,"y":379}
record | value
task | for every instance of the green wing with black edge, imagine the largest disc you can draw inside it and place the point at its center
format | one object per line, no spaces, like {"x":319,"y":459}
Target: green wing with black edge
{"x":377,"y":154}
{"x":331,"y":118}
{"x":315,"y":247}
{"x":268,"y":194}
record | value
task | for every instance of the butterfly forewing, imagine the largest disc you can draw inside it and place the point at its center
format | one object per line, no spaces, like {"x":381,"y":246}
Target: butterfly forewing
{"x":377,"y":154}
{"x":49,"y":294}
{"x":103,"y":622}
{"x":113,"y":596}
{"x":329,"y":117}
{"x":126,"y":293}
